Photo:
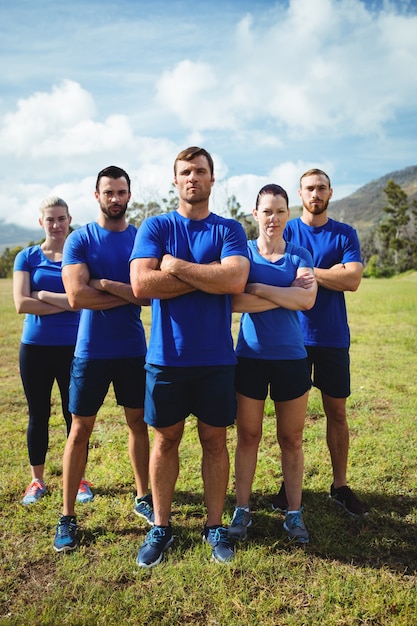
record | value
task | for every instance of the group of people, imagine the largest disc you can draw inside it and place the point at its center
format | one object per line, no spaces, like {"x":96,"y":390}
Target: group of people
{"x":83,"y":293}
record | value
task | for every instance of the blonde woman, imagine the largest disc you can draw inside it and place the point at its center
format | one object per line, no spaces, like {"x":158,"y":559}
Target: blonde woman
{"x":48,"y":338}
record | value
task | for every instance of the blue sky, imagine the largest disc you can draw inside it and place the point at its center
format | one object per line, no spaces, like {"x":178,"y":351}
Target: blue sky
{"x":269,"y":88}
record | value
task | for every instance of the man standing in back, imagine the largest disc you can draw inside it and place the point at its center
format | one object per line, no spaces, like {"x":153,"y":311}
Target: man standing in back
{"x":338,"y":267}
{"x":110,"y":346}
{"x":188,"y":262}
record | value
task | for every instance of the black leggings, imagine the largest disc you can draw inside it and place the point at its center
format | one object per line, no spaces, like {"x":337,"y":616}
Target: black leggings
{"x":40,"y":366}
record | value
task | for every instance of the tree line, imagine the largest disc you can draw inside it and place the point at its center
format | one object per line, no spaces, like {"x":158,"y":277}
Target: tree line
{"x":390,"y":248}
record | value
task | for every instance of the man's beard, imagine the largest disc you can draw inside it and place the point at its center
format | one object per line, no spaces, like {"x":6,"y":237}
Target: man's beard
{"x":114,"y":216}
{"x":318,"y":210}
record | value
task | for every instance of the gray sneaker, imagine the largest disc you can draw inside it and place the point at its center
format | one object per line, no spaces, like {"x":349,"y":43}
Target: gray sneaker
{"x":294,"y":525}
{"x":223,"y":550}
{"x":240,"y":523}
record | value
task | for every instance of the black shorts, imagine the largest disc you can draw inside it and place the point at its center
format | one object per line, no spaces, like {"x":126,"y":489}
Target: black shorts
{"x":91,"y":378}
{"x":174,"y":393}
{"x":330,"y":369}
{"x":286,"y":379}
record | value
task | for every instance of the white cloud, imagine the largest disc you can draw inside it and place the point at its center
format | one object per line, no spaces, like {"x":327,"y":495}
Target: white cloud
{"x":295,"y":84}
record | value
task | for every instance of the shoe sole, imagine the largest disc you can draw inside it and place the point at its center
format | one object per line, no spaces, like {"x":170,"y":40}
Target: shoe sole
{"x":301,"y":540}
{"x":66,"y":548}
{"x":278,"y":508}
{"x":343,"y":506}
{"x":158,"y":560}
{"x":84,"y":500}
{"x":144,"y":517}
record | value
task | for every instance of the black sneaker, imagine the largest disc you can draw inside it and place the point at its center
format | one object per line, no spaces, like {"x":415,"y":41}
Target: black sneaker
{"x":158,"y":539}
{"x":344,"y":497}
{"x":280,"y":502}
{"x":223,"y":550}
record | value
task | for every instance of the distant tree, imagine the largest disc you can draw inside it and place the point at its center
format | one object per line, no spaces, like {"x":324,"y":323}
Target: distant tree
{"x":139,"y":211}
{"x":392,"y":246}
{"x":235,"y":212}
{"x":7,"y":261}
{"x":172,"y":202}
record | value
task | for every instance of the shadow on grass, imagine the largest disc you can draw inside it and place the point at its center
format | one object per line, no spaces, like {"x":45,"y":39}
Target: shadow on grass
{"x":386,"y":538}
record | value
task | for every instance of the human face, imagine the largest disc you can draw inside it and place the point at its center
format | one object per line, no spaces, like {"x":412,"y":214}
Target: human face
{"x":113,"y":196}
{"x":194,"y":180}
{"x":55,"y":221}
{"x":315,"y":193}
{"x":272,"y":215}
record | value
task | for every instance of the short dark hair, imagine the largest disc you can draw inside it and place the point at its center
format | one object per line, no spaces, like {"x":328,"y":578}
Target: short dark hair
{"x":273,"y":190}
{"x":315,"y":172}
{"x":112,"y":171}
{"x":191,"y":153}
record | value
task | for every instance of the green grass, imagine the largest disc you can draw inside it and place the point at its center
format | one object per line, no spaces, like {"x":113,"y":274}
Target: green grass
{"x":352,"y":573}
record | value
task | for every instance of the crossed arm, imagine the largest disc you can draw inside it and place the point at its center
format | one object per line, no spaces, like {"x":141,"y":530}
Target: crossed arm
{"x":172,"y":277}
{"x":36,"y":302}
{"x":95,"y":294}
{"x":340,"y":277}
{"x":258,"y":297}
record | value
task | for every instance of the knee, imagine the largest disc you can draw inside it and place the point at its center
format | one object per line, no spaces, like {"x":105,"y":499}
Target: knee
{"x":291,"y":443}
{"x":79,"y":433}
{"x":249,"y":439}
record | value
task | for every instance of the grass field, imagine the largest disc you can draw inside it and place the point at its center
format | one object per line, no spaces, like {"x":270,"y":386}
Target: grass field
{"x":351,"y":573}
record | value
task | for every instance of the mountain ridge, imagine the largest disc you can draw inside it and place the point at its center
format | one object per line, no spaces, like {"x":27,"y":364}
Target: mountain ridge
{"x":363,"y":209}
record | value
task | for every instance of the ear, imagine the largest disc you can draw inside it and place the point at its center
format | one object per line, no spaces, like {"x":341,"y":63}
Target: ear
{"x":40,"y":220}
{"x":255,"y":214}
{"x":96,"y":195}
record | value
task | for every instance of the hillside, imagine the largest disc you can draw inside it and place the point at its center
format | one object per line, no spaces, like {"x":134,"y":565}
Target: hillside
{"x":12,"y":235}
{"x":363,"y":208}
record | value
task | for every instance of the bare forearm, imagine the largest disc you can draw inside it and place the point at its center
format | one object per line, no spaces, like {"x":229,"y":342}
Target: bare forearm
{"x":90,"y":298}
{"x":248,"y":303}
{"x":119,"y":289}
{"x":293,"y":298}
{"x":340,"y":277}
{"x":156,"y":284}
{"x":33,"y":306}
{"x":58,"y":300}
{"x":227,"y":277}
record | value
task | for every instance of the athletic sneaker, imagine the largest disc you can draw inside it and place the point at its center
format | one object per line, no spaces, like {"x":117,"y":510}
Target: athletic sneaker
{"x":344,"y":497}
{"x":35,"y":490}
{"x":84,"y":493}
{"x":65,"y":534}
{"x":144,"y":508}
{"x":240,"y":523}
{"x":280,"y":502}
{"x":223,"y":550}
{"x":294,"y":525}
{"x":158,"y":539}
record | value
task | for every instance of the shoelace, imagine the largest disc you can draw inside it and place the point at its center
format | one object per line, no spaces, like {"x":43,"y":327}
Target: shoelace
{"x":33,"y":488}
{"x":157,"y":535}
{"x":66,"y":528}
{"x":84,"y":486}
{"x":295,"y":521}
{"x":219,"y":535}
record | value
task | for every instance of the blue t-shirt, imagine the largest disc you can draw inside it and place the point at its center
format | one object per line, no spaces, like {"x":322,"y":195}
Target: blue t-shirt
{"x":112,"y":333}
{"x":274,"y":334}
{"x":193,"y":329}
{"x":57,"y":329}
{"x":326,"y":323}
